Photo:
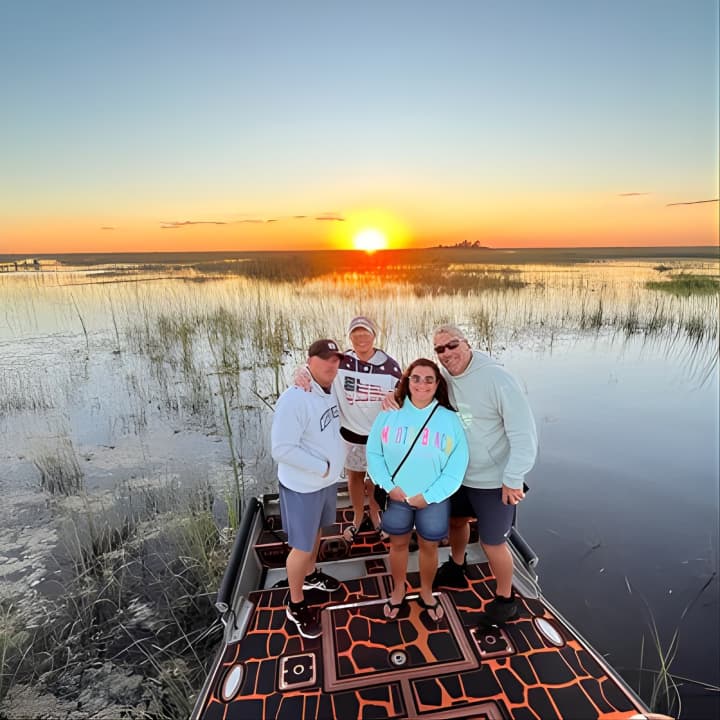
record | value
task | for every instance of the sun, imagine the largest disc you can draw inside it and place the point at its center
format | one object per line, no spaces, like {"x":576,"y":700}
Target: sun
{"x":368,"y":230}
{"x":370,"y":240}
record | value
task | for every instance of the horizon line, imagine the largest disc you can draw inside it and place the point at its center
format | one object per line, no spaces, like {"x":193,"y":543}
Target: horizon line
{"x":354,"y":250}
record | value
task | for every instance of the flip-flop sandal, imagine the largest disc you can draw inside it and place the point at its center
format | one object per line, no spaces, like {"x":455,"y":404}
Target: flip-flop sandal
{"x":390,"y":607}
{"x":353,"y":533}
{"x":435,"y":608}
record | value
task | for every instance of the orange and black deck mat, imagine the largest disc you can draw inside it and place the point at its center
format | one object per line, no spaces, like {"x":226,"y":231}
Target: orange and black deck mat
{"x":364,"y":666}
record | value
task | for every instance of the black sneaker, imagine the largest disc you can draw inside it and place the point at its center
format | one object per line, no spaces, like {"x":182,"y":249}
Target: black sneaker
{"x":497,"y":613}
{"x":306,"y":619}
{"x":320,"y":581}
{"x":451,"y":575}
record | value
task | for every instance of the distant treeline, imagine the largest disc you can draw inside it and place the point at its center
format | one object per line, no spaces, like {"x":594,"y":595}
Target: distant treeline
{"x":346,"y":260}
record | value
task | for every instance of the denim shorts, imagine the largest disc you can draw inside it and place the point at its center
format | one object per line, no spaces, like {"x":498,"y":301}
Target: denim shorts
{"x":494,"y":518}
{"x":431,"y":522}
{"x":303,"y":514}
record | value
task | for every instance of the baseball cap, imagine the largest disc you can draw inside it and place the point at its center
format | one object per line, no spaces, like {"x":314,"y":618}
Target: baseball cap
{"x":325,"y":349}
{"x":362,"y":322}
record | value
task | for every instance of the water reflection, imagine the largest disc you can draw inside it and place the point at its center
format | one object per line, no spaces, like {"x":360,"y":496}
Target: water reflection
{"x":624,"y":507}
{"x":623,"y":382}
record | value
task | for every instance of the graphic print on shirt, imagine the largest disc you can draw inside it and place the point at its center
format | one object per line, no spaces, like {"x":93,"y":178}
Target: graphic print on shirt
{"x":327,"y":416}
{"x":362,"y":392}
{"x":406,"y":433}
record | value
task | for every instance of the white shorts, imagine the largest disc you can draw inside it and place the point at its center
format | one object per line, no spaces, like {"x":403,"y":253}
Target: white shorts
{"x":356,"y":458}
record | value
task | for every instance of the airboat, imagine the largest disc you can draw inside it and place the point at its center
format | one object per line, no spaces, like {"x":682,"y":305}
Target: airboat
{"x":537,"y":667}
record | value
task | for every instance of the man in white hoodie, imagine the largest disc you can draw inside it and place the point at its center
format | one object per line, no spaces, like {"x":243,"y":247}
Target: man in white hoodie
{"x":310,"y":453}
{"x":502,"y":440}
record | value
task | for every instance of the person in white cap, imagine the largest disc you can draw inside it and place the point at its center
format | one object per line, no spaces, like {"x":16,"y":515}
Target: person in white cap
{"x":366,"y":374}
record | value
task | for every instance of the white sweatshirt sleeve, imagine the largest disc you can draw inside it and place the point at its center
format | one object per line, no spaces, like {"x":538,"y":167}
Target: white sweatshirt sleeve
{"x":291,"y":418}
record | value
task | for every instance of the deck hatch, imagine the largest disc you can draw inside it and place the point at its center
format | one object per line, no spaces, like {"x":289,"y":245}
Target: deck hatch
{"x":297,"y":671}
{"x":360,"y":644}
{"x":492,"y":643}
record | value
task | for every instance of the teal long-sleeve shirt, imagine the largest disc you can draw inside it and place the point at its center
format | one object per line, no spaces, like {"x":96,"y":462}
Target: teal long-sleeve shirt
{"x":437,"y":463}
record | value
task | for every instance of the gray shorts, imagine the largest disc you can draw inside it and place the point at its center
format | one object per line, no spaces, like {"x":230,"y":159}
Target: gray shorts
{"x":303,"y":514}
{"x":494,"y":518}
{"x":356,"y":458}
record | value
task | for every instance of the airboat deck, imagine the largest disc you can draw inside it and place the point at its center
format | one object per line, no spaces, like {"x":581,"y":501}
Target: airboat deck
{"x":363,"y":666}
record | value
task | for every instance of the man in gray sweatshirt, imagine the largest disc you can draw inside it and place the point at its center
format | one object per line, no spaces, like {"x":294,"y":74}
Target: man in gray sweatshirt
{"x":310,"y":453}
{"x":502,"y":440}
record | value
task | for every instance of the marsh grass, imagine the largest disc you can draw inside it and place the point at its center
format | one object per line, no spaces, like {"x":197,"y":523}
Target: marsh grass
{"x":236,"y":499}
{"x":19,"y":392}
{"x":663,"y":695}
{"x":250,"y":332}
{"x":141,"y":571}
{"x":686,"y":284}
{"x":82,"y":324}
{"x":137,"y":603}
{"x":60,"y":472}
{"x":14,"y":646}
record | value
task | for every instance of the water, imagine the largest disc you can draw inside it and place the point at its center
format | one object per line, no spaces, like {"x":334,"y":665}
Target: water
{"x":623,"y":510}
{"x":623,"y":507}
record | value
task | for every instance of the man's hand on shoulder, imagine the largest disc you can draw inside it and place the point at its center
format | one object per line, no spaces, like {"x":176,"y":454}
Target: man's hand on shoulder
{"x":389,"y":402}
{"x":302,"y":379}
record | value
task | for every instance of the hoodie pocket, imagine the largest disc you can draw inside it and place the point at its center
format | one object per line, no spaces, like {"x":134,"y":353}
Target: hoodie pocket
{"x":482,"y":460}
{"x":498,"y":451}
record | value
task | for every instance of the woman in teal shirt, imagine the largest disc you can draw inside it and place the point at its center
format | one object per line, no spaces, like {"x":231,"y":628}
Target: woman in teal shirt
{"x":419,"y":493}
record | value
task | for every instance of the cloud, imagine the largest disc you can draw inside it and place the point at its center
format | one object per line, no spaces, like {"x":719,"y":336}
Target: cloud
{"x":632,"y":194}
{"x":107,"y":227}
{"x":174,"y":224}
{"x":182,"y":223}
{"x":693,"y":202}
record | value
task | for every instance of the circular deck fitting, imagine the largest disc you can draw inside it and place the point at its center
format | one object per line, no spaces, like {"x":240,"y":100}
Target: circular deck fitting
{"x":398,"y":658}
{"x":232,"y":682}
{"x":549,"y":631}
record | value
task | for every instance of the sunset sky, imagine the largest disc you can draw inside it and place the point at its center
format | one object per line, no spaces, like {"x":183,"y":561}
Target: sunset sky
{"x":170,"y":125}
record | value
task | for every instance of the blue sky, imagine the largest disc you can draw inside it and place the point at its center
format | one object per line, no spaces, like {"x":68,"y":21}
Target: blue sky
{"x":128,"y":114}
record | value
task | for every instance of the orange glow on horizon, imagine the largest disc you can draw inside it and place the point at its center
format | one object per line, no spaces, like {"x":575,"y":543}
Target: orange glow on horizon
{"x":533,"y":221}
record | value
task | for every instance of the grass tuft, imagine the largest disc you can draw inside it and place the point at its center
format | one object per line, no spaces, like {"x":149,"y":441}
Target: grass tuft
{"x":60,"y":472}
{"x":686,"y":284}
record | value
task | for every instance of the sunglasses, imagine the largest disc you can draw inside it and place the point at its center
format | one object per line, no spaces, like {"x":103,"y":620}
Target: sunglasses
{"x":427,"y":379}
{"x":440,"y":349}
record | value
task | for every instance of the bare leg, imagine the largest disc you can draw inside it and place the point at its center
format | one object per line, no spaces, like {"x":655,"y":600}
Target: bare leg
{"x":356,"y":490}
{"x":501,"y":564}
{"x":399,"y":550}
{"x":428,"y":561}
{"x":373,"y":508}
{"x":313,"y":558}
{"x":459,"y":538}
{"x":299,"y":564}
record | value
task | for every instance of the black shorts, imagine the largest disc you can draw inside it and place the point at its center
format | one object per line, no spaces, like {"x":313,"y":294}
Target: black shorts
{"x":494,"y":518}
